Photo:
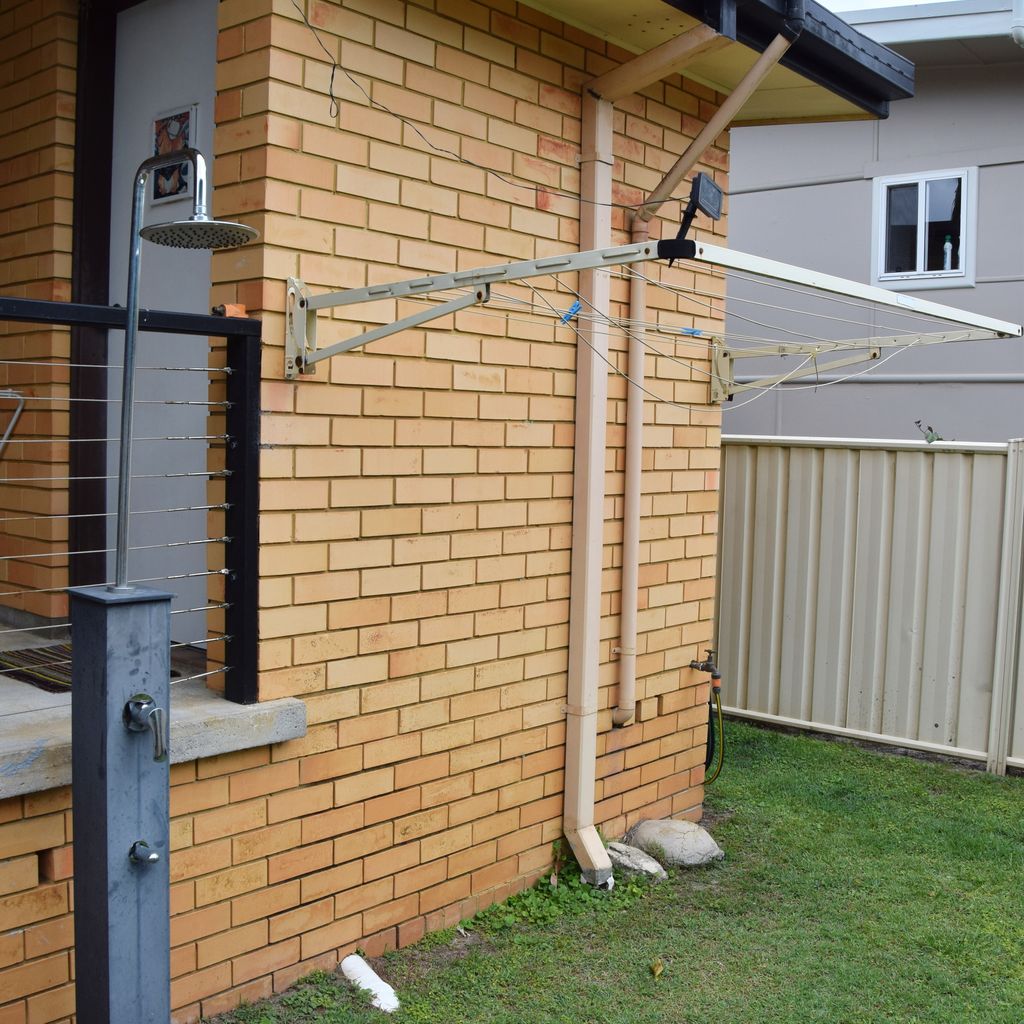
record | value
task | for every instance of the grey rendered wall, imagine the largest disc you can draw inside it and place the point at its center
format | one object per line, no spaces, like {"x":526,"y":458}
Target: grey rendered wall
{"x":802,"y":194}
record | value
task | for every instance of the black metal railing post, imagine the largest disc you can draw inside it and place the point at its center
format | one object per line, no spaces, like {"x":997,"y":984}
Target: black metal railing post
{"x":241,"y":589}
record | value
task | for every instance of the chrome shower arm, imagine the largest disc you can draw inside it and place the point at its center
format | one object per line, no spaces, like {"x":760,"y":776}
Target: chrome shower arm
{"x":194,"y":157}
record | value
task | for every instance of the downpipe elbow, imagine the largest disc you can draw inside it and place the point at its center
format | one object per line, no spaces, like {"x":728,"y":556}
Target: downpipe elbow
{"x":793,"y":24}
{"x":622,"y":716}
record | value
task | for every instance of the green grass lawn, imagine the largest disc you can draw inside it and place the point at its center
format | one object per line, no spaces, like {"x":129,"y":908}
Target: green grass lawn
{"x":857,"y":887}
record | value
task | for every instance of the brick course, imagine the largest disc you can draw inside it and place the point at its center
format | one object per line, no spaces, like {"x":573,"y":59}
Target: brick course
{"x":416,"y":507}
{"x":37,"y":112}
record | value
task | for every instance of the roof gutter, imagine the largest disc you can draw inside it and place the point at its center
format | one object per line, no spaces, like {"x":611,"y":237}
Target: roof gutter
{"x":793,"y":23}
{"x":829,"y":52}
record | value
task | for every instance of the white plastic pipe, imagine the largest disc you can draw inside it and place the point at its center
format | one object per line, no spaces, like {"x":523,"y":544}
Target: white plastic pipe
{"x":363,"y":976}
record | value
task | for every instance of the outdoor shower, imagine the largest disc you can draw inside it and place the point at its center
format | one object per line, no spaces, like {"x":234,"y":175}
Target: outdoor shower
{"x":197,"y":232}
{"x":120,"y":721}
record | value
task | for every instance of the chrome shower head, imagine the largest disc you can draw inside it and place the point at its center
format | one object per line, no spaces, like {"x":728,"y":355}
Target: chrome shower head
{"x":199,"y":233}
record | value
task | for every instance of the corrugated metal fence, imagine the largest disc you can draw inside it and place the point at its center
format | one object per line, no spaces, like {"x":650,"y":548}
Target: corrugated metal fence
{"x":873,"y":589}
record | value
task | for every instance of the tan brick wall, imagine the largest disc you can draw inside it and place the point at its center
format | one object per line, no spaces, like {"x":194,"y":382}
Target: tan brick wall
{"x":416,"y":506}
{"x":37,"y":111}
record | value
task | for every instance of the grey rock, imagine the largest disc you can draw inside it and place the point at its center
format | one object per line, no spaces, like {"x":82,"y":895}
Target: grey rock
{"x":634,"y":861}
{"x":679,"y":843}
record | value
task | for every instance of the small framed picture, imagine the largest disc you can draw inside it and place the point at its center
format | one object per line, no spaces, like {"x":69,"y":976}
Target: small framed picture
{"x":173,"y":130}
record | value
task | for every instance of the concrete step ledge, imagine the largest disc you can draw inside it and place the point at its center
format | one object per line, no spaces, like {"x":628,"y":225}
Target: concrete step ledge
{"x":35,"y":746}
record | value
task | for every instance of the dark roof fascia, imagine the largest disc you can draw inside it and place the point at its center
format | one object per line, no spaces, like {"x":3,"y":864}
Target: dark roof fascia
{"x":828,"y":51}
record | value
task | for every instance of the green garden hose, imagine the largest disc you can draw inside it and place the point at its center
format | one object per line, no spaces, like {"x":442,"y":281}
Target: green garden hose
{"x":715,"y":711}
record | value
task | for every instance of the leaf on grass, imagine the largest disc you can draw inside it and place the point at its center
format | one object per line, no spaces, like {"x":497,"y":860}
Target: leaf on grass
{"x":657,"y":967}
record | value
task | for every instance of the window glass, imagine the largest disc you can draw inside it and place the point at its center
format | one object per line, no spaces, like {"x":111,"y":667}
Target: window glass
{"x":901,"y":229}
{"x":942,"y":224}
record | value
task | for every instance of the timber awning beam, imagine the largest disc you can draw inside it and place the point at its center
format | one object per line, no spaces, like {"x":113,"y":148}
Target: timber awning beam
{"x":719,"y":121}
{"x":654,"y":65}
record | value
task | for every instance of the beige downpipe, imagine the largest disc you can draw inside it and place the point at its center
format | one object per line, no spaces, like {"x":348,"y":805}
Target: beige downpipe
{"x":588,"y":502}
{"x":624,"y":711}
{"x":596,"y":163}
{"x":626,"y":708}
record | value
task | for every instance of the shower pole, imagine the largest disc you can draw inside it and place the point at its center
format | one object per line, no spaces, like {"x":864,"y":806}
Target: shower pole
{"x":131,"y":332}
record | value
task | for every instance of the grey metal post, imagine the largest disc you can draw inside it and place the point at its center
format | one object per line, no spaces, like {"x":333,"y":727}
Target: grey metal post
{"x":1008,"y":670}
{"x":120,"y":699}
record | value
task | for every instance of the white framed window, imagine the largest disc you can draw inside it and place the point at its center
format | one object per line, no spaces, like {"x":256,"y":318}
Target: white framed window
{"x":924,"y":229}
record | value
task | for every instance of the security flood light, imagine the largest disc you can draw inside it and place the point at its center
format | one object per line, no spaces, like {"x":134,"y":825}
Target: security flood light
{"x":706,"y":197}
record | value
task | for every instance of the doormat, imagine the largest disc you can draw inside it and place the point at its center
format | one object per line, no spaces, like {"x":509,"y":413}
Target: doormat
{"x":48,"y":667}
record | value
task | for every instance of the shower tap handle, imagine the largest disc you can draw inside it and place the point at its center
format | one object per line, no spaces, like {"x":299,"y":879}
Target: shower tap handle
{"x":140,"y":714}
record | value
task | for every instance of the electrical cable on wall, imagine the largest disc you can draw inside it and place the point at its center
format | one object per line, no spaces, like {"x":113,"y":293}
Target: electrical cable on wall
{"x":335,"y":109}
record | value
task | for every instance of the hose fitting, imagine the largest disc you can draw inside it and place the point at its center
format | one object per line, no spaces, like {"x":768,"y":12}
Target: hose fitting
{"x":709,"y":666}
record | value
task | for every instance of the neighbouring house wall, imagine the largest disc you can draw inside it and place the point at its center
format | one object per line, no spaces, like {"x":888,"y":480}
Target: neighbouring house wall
{"x":803,"y":194}
{"x":416,"y":509}
{"x":37,"y":113}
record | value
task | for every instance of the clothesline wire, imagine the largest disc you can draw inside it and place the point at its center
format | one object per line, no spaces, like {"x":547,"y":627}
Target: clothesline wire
{"x":646,"y":391}
{"x":873,"y":325}
{"x":710,"y":374}
{"x":761,"y":388}
{"x":624,"y":324}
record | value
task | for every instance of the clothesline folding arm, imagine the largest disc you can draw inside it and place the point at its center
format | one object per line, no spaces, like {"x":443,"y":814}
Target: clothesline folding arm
{"x":302,"y":354}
